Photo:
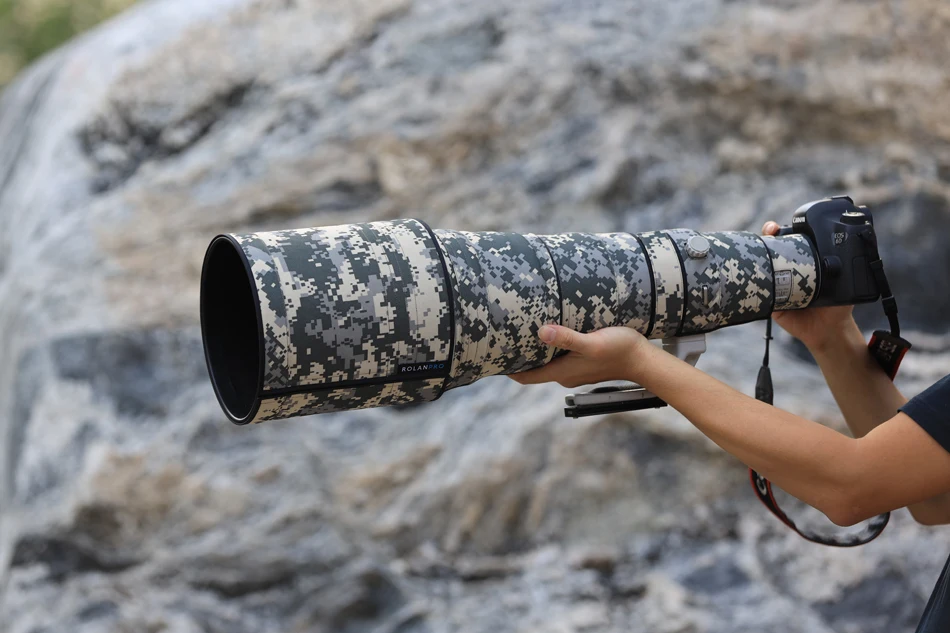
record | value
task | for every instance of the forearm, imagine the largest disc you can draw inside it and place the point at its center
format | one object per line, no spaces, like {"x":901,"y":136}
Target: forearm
{"x":864,"y":393}
{"x":896,"y":464}
{"x":810,"y":461}
{"x":867,"y":398}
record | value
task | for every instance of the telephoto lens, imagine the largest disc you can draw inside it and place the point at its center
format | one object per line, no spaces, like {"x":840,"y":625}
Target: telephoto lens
{"x":329,"y":319}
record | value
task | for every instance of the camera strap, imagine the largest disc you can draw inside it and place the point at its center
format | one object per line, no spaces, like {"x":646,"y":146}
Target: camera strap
{"x":888,"y":349}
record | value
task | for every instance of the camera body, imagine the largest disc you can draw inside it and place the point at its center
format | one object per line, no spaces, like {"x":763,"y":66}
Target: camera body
{"x":845,"y":246}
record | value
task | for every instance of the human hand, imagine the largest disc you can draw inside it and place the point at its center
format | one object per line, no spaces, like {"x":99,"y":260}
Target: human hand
{"x":815,"y":327}
{"x":607,"y":354}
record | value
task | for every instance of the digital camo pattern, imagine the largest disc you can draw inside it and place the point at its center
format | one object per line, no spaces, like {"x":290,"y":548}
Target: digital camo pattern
{"x":731,"y":285}
{"x":793,"y":256}
{"x":633,"y":300}
{"x":553,"y":285}
{"x":588,"y":282}
{"x":668,"y":292}
{"x":348,"y":302}
{"x":350,"y":398}
{"x":505,"y":289}
{"x":746,"y":277}
{"x":278,"y":353}
{"x":604,"y":280}
{"x":704,"y":293}
{"x":352,"y":303}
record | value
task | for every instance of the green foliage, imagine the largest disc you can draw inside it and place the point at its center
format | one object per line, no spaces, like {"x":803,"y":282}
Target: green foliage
{"x":29,"y":28}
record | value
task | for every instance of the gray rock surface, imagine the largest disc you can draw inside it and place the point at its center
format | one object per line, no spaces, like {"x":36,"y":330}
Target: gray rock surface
{"x":130,"y":504}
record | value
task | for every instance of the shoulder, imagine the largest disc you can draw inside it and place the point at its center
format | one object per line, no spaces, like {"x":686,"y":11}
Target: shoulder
{"x":939,"y":391}
{"x":931,"y":410}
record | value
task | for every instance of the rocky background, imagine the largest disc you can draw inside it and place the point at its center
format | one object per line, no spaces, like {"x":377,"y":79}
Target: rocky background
{"x":129,"y":504}
{"x":30,"y":28}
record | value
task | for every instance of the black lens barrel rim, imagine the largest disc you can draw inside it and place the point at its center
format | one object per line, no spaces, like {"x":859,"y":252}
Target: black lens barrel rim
{"x":259,"y":391}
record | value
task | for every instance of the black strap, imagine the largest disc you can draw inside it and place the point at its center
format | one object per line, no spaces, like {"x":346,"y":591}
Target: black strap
{"x":887,"y":348}
{"x":880,"y":279}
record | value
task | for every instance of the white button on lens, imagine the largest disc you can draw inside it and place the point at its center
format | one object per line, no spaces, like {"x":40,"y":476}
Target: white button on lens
{"x":697,"y":247}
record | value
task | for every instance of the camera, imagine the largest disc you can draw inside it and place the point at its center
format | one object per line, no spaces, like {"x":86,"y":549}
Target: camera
{"x":845,"y":246}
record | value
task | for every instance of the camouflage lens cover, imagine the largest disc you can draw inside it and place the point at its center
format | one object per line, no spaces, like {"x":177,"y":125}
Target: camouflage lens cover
{"x":604,"y":280}
{"x":669,"y":292}
{"x":728,"y":284}
{"x":796,"y":270}
{"x":390,"y":313}
{"x":354,"y":306}
{"x":505,"y":289}
{"x":349,"y":398}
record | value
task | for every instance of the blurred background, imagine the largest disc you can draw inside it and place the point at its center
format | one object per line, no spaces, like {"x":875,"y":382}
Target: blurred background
{"x":29,"y":28}
{"x":128,"y":503}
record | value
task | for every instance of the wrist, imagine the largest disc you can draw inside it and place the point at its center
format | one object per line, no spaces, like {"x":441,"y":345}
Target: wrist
{"x":840,"y":338}
{"x":637,"y":358}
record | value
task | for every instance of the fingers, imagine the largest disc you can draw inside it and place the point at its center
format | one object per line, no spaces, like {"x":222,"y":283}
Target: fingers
{"x":564,"y":338}
{"x":770,"y":228}
{"x":549,"y":373}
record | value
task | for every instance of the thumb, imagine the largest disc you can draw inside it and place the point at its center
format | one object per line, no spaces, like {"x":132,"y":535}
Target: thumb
{"x":563,"y":338}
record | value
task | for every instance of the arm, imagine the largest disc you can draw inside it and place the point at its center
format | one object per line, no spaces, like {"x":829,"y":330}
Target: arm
{"x":864,"y":393}
{"x":895,"y":465}
{"x":867,"y":398}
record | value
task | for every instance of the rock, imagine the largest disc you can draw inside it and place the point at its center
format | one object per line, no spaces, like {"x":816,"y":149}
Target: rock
{"x":722,"y":575}
{"x":589,"y":616}
{"x":486,"y":568}
{"x":628,"y":581}
{"x":737,"y":155}
{"x":602,"y":559}
{"x":127,"y":502}
{"x":859,"y":609}
{"x":139,"y":371}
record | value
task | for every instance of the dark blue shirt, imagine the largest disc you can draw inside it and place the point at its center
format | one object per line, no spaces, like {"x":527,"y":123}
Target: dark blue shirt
{"x":931,"y":410}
